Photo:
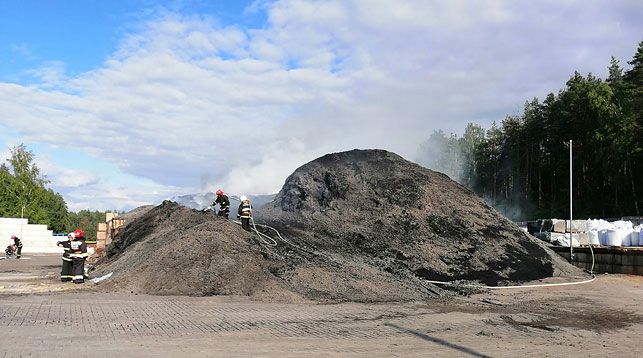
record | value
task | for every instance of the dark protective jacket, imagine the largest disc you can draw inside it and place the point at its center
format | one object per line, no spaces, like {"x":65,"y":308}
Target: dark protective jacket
{"x":65,"y":272}
{"x":66,"y":245}
{"x":224,"y":203}
{"x":245,"y":210}
{"x":78,"y":249}
{"x":17,"y":242}
{"x":78,"y":254}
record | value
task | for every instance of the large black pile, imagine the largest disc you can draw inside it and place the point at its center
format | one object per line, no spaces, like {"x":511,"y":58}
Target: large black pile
{"x":172,"y":249}
{"x":363,"y":225}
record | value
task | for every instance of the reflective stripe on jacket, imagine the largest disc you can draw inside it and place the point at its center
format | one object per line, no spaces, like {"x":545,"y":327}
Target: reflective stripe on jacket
{"x":78,"y":249}
{"x":245,"y":210}
{"x":66,"y":245}
{"x":223,"y":201}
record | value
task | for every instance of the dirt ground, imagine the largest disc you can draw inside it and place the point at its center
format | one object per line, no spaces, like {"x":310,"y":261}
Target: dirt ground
{"x":40,"y":316}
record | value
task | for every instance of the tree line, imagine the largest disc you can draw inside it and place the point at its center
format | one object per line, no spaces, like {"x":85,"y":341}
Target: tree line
{"x":25,"y":194}
{"x":521,"y":166}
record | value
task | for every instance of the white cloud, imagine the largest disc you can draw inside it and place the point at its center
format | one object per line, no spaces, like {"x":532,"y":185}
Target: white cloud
{"x":50,"y":75}
{"x":107,"y":196}
{"x":62,"y":177}
{"x":186,"y":99}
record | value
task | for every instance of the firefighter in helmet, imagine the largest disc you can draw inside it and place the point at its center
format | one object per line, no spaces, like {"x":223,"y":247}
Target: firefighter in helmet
{"x":18,"y":245}
{"x":65,"y":272}
{"x":78,"y":254}
{"x":245,"y":212}
{"x":224,"y":203}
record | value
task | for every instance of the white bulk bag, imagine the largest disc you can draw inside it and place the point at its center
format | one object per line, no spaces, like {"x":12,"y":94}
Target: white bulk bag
{"x":634,"y":238}
{"x":593,"y":237}
{"x":637,"y":236}
{"x":563,"y":240}
{"x":602,"y":236}
{"x":626,"y":237}
{"x":612,"y":238}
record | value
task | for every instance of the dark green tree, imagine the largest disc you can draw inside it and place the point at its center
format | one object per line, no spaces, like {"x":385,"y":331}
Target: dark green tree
{"x":522,"y":166}
{"x":25,"y":193}
{"x":87,"y":221}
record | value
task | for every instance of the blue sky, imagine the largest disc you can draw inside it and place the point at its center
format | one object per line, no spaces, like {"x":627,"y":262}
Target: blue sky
{"x":127,"y":103}
{"x":83,"y":33}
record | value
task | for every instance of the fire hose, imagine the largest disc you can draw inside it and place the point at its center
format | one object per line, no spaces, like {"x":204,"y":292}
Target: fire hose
{"x":269,"y":241}
{"x":263,"y":238}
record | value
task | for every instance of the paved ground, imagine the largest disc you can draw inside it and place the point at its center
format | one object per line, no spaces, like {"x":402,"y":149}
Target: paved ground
{"x":42,"y":317}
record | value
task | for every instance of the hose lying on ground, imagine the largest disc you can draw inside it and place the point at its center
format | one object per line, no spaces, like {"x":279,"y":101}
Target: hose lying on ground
{"x":269,"y":241}
{"x":447,"y":283}
{"x":263,"y":238}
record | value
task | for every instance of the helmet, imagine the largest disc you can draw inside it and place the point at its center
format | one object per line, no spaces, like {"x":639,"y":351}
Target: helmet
{"x":243,"y":198}
{"x":79,"y":233}
{"x":13,"y":237}
{"x":219,"y":192}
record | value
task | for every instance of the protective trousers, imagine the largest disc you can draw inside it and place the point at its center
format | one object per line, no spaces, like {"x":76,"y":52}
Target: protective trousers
{"x":245,"y":224}
{"x":65,"y":273}
{"x":78,"y":269}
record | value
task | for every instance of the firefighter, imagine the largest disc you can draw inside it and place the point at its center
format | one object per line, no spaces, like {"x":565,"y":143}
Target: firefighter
{"x":78,"y":254}
{"x":245,"y":212}
{"x":17,"y":244}
{"x":224,"y":203}
{"x":65,"y":273}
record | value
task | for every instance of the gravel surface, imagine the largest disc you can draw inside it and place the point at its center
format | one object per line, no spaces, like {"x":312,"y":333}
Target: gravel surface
{"x":37,"y":319}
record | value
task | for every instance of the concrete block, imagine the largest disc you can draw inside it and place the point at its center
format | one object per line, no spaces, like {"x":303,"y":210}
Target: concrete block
{"x":582,"y":257}
{"x":102,"y":227}
{"x":116,"y":223}
{"x":13,"y":221}
{"x":533,"y":227}
{"x":15,"y":229}
{"x":35,"y":227}
{"x":627,"y":259}
{"x":605,"y":258}
{"x":565,"y":255}
{"x":638,"y":259}
{"x":576,"y":226}
{"x":545,"y":236}
{"x":35,"y":238}
{"x":627,"y":269}
{"x":638,"y":270}
{"x":558,"y":225}
{"x":617,"y":259}
{"x":603,"y":268}
{"x":562,"y":226}
{"x":597,"y":268}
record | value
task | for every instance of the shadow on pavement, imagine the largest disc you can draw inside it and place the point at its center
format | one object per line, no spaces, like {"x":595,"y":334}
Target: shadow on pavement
{"x":439,"y":341}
